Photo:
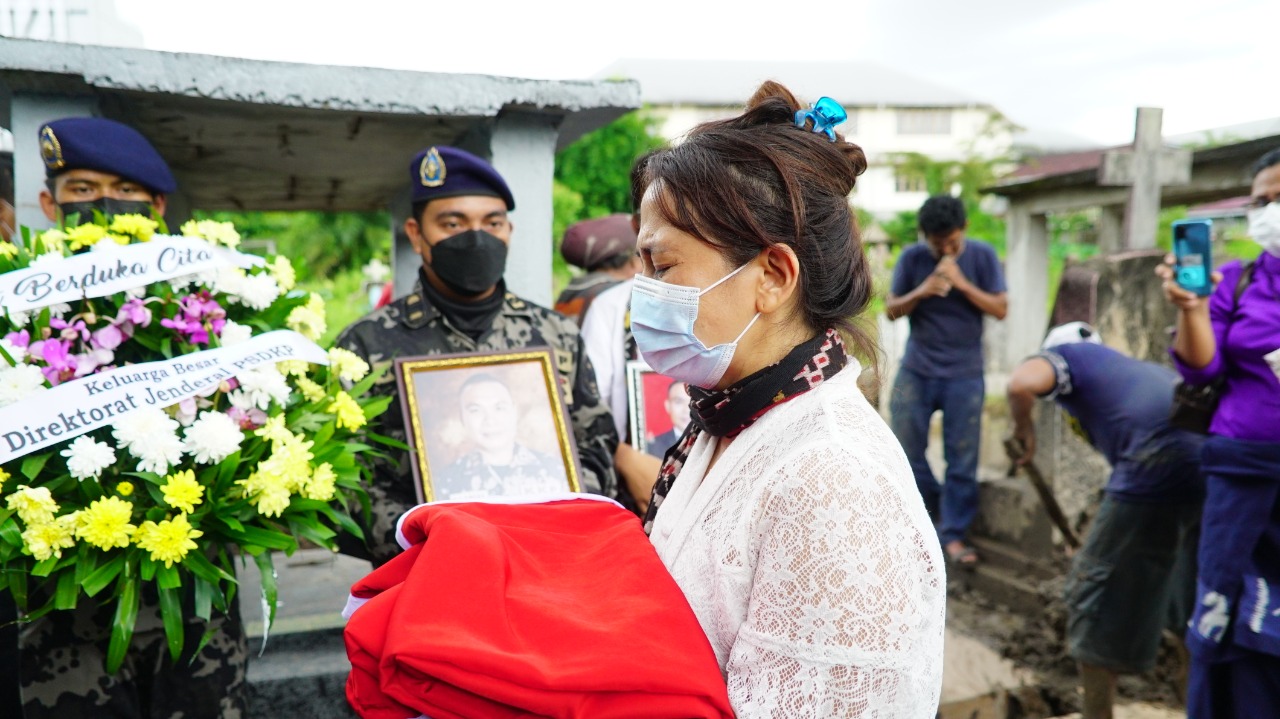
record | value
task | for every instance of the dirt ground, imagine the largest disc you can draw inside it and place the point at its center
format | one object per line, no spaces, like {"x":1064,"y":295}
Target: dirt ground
{"x":991,"y":649}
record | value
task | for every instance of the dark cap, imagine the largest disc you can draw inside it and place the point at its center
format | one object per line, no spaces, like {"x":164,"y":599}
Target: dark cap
{"x":443,"y":171}
{"x":590,"y":242}
{"x":95,"y":143}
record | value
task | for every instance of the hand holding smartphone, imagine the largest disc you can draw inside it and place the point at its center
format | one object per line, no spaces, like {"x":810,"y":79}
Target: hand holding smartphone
{"x":1192,"y":248}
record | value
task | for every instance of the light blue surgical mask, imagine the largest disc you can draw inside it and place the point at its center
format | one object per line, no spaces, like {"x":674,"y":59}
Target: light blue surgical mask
{"x":662,"y":318}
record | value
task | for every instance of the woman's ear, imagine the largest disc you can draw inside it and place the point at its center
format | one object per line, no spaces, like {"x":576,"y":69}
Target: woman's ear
{"x":779,"y":279}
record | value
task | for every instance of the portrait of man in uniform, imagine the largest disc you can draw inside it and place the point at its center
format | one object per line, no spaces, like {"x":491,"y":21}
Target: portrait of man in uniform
{"x":487,"y":426}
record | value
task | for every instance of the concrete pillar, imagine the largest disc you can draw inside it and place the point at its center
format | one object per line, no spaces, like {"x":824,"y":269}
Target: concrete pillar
{"x":523,"y":150}
{"x":1027,"y":271}
{"x":1111,"y":229}
{"x":404,"y":261}
{"x":27,"y":113}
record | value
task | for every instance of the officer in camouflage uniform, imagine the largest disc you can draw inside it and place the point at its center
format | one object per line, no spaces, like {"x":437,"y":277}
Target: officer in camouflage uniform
{"x":459,"y":226}
{"x":97,"y":164}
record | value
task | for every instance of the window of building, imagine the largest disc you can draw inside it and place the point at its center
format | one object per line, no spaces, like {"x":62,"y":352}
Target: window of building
{"x":924,"y":122}
{"x":908,"y":182}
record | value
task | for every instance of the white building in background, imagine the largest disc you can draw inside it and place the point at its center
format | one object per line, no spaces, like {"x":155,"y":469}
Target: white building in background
{"x":85,"y":22}
{"x":889,"y":113}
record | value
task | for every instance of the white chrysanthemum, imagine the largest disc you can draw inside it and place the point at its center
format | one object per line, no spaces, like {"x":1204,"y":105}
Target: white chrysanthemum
{"x":17,"y":354}
{"x":347,"y":365}
{"x":180,"y":284}
{"x":59,"y":310}
{"x":19,"y":319}
{"x":150,"y":435}
{"x":213,"y":437}
{"x":136,"y":293}
{"x":234,"y":333}
{"x":18,"y":383}
{"x":259,"y":386}
{"x":47,"y":260}
{"x":256,"y":291}
{"x":226,"y":280}
{"x":219,"y":233}
{"x":87,"y":457}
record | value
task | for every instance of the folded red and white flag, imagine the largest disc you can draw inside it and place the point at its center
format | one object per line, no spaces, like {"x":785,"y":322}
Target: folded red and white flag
{"x":558,"y":608}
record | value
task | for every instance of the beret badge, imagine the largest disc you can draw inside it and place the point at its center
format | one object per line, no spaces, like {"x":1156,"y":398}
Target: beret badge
{"x":431,"y":172}
{"x":51,"y":149}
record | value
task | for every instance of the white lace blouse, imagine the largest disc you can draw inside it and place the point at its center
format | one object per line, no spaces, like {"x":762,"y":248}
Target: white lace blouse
{"x":811,"y":564}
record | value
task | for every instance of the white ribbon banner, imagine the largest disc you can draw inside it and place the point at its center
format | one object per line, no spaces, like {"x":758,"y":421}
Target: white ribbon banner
{"x":83,"y":405}
{"x":115,"y":269}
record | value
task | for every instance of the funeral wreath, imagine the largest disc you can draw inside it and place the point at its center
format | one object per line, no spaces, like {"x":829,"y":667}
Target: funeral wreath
{"x":165,"y":414}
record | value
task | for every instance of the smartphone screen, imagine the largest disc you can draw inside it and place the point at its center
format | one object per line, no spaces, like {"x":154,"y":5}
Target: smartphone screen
{"x":1192,"y":246}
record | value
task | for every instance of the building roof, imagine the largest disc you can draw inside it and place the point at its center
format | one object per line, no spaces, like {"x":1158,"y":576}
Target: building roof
{"x":730,"y":83}
{"x":253,"y":134}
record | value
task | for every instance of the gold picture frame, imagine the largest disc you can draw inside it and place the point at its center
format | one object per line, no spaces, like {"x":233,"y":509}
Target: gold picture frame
{"x":487,"y":425}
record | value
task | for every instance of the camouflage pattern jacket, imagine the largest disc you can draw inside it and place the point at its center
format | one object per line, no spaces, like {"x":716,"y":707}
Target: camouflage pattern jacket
{"x":411,"y":326}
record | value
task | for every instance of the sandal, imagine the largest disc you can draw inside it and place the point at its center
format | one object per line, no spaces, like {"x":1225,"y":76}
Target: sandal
{"x":961,"y":555}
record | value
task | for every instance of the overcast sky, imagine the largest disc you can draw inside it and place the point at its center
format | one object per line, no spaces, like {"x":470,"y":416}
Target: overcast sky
{"x":1073,"y":66}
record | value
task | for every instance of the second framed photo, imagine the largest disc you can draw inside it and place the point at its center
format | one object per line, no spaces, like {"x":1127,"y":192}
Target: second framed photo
{"x":658,"y":408}
{"x":487,"y":425}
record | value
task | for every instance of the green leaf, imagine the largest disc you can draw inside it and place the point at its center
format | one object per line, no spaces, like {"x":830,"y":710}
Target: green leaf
{"x":67,"y":592}
{"x":99,"y":578}
{"x":122,"y":625}
{"x":32,"y":465}
{"x":148,"y":568}
{"x":10,"y":533}
{"x":204,"y":598}
{"x":204,"y":640}
{"x":43,"y":568}
{"x":270,"y":592}
{"x":168,"y":577}
{"x":171,"y":615}
{"x":385,"y":440}
{"x":18,"y":588}
{"x":203,"y":568}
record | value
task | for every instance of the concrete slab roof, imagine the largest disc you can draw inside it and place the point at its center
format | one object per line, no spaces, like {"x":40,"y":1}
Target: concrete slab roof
{"x":720,"y":83}
{"x":252,"y":134}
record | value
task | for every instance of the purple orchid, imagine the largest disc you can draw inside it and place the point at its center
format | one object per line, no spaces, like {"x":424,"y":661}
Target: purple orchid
{"x":133,"y":313}
{"x":200,"y":315}
{"x":107,"y":337}
{"x":18,"y":339}
{"x":252,"y":418}
{"x":60,"y":364}
{"x":70,"y":330}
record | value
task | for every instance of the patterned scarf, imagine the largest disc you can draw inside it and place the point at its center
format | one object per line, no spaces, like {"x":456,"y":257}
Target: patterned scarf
{"x":727,"y":412}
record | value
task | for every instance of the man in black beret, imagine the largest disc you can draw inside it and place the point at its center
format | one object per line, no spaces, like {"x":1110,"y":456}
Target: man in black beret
{"x":460,"y":227}
{"x":92,"y":163}
{"x":98,"y":164}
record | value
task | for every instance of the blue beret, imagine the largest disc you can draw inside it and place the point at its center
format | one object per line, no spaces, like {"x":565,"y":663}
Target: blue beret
{"x":95,"y":143}
{"x":442,"y":171}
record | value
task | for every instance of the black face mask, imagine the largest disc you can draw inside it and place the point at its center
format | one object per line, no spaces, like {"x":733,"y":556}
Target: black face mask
{"x":470,"y":262}
{"x":108,"y":206}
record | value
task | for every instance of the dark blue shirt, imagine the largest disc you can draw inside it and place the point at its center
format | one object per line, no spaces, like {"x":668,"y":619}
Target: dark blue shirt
{"x":1122,"y":407}
{"x":946,"y":332}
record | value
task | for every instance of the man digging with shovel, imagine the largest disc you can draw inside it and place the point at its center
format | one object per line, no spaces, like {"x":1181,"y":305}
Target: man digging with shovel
{"x":1135,"y":575}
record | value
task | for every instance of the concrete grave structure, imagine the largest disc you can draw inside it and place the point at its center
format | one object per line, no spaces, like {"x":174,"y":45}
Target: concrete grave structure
{"x":255,"y":135}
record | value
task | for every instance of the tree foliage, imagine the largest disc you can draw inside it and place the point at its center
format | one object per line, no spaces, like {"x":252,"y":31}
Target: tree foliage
{"x":319,"y":243}
{"x":962,"y":178}
{"x":598,"y":166}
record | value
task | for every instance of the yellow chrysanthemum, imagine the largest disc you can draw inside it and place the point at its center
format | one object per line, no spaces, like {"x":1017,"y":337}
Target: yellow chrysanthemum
{"x":105,"y":523}
{"x":306,"y":322}
{"x":315,"y":303}
{"x":84,"y":236}
{"x":293,"y":368}
{"x":8,"y":249}
{"x":34,"y":505}
{"x":219,"y":233}
{"x":118,"y":239}
{"x":347,"y":365}
{"x":282,"y":270}
{"x":124,"y":489}
{"x":347,"y":410}
{"x":4,"y":476}
{"x":53,"y":240}
{"x":139,"y":227}
{"x":182,"y":491}
{"x":273,"y":430}
{"x":268,"y":491}
{"x":321,"y":484}
{"x":168,"y":540}
{"x":48,"y":539}
{"x":312,"y":391}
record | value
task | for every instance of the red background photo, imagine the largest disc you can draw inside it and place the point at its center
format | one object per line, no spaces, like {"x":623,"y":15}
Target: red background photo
{"x":656,"y":420}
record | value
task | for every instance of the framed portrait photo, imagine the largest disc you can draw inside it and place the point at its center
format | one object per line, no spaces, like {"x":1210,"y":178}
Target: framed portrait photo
{"x":487,"y":425}
{"x":658,"y":408}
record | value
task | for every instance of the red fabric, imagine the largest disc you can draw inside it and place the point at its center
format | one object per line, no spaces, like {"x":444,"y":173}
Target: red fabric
{"x":559,"y":609}
{"x":384,"y":299}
